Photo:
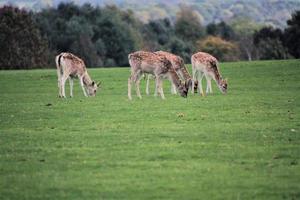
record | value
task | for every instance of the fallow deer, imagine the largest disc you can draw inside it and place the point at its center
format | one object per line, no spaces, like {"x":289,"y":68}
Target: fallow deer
{"x":142,"y":62}
{"x":69,"y":67}
{"x":204,"y":64}
{"x":178,"y":65}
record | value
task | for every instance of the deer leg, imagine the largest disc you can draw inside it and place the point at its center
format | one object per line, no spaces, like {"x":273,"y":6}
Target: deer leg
{"x":129,"y":87}
{"x":156,"y":90}
{"x":200,"y":77}
{"x":62,"y":84}
{"x":137,"y":85}
{"x":82,"y":86}
{"x":209,"y":84}
{"x":208,"y":87}
{"x":147,"y":85}
{"x":159,"y":87}
{"x":135,"y":77}
{"x":71,"y":86}
{"x":173,"y":89}
{"x":58,"y":82}
{"x":193,"y":81}
{"x":156,"y":86}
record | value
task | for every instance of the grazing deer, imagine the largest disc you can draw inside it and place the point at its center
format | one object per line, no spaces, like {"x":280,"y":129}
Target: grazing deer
{"x":69,"y":67}
{"x":143,"y":62}
{"x":178,"y":65}
{"x":204,"y":64}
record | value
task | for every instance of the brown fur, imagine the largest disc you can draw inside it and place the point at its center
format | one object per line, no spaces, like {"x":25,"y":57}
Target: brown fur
{"x":179,"y":67}
{"x":177,"y":63}
{"x":207,"y":65}
{"x":209,"y":61}
{"x":151,"y":63}
{"x":69,"y":67}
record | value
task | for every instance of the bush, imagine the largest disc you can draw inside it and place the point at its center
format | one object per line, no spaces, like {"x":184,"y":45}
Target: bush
{"x":223,"y":50}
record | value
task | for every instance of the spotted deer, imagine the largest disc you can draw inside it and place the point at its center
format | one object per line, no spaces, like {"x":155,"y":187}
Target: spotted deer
{"x":204,"y":64}
{"x":69,"y":67}
{"x":142,"y":62}
{"x":178,"y":65}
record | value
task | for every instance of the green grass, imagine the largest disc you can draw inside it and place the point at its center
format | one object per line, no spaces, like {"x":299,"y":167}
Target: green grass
{"x":243,"y":145}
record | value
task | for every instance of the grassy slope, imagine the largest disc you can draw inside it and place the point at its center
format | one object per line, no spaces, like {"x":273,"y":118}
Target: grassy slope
{"x":243,"y":145}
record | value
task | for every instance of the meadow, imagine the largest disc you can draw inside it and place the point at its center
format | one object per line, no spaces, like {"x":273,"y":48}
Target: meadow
{"x":242,"y":145}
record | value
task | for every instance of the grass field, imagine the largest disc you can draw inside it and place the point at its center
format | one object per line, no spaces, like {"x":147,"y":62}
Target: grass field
{"x":243,"y":145}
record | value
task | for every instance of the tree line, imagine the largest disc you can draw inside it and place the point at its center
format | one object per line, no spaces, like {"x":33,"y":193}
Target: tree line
{"x":104,"y":36}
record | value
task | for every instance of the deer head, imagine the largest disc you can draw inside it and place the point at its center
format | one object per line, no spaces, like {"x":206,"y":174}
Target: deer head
{"x":92,"y":88}
{"x":183,"y":89}
{"x":223,"y":86}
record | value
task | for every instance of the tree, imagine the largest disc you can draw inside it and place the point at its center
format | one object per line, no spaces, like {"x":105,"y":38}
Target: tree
{"x":292,"y":35}
{"x":244,"y":29}
{"x":118,"y":37}
{"x":21,"y":44}
{"x":222,"y":30}
{"x":269,"y":42}
{"x":221,"y":49}
{"x":101,"y":36}
{"x":188,"y":24}
{"x":181,"y":48}
{"x":157,"y":34}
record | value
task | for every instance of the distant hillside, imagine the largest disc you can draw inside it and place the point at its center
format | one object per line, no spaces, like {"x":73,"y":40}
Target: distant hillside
{"x":272,"y":12}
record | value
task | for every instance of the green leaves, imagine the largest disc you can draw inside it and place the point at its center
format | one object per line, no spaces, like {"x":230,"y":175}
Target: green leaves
{"x":21,"y":44}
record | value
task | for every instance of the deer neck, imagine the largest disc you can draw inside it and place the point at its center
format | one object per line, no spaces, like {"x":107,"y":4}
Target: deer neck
{"x":87,"y":79}
{"x":219,"y":80}
{"x":185,"y":73}
{"x":217,"y":76}
{"x":174,"y":77}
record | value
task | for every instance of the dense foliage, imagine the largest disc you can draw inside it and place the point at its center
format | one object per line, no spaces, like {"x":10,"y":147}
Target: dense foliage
{"x":269,"y":43}
{"x":104,"y":36}
{"x":21,"y":44}
{"x":292,"y":35}
{"x":222,"y":49}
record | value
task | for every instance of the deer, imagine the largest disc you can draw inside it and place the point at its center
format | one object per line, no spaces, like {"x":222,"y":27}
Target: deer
{"x":69,"y":67}
{"x":204,"y":64}
{"x":178,"y":65}
{"x":143,"y":62}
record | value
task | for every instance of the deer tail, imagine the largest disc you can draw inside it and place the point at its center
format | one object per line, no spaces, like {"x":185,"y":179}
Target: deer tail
{"x":58,"y":60}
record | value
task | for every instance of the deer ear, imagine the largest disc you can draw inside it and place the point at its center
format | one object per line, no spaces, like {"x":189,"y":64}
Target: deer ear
{"x":99,"y":83}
